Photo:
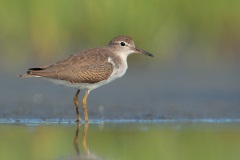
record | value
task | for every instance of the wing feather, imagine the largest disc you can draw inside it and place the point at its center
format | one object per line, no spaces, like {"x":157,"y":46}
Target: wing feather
{"x":91,"y":66}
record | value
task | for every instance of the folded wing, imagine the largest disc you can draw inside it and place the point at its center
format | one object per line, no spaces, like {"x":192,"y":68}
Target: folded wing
{"x":91,"y":66}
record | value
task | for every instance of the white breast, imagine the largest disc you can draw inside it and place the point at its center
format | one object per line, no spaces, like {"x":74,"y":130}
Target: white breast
{"x":119,"y":71}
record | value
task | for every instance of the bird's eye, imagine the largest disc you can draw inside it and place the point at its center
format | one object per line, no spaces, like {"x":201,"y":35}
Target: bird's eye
{"x":122,"y":43}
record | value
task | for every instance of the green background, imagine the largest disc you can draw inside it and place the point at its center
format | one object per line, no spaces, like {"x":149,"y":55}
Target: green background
{"x":43,"y":31}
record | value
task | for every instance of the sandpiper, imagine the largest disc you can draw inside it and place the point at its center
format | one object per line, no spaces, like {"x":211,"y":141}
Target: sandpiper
{"x":90,"y":69}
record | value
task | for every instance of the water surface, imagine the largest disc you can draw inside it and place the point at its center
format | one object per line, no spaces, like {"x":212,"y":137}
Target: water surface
{"x":120,"y":141}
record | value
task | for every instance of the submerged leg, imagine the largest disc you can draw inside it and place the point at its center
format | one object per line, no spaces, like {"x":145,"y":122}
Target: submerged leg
{"x":75,"y":98}
{"x":84,"y":105}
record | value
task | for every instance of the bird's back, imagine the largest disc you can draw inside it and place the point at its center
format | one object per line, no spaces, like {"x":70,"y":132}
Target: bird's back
{"x":90,"y":66}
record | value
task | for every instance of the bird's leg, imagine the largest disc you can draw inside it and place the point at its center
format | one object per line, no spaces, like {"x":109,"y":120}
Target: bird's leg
{"x":84,"y":105}
{"x":75,"y":99}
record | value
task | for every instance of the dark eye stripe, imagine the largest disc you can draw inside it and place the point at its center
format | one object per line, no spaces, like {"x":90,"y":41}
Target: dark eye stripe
{"x":119,"y":43}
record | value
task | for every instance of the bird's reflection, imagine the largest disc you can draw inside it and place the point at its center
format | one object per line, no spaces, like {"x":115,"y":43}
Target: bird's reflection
{"x":86,"y":153}
{"x":84,"y":139}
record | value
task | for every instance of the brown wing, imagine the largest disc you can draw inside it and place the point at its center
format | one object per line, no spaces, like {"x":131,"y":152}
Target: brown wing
{"x":91,"y":66}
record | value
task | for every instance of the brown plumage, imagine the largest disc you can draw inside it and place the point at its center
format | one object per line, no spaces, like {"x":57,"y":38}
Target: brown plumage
{"x":89,"y":66}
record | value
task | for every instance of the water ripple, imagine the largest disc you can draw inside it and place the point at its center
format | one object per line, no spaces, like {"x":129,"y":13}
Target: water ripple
{"x":33,"y":122}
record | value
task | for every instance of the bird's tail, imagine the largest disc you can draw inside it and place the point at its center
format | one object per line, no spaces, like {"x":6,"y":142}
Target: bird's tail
{"x":30,"y":73}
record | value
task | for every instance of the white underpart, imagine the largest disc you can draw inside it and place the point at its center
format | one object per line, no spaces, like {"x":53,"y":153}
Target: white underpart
{"x":117,"y":73}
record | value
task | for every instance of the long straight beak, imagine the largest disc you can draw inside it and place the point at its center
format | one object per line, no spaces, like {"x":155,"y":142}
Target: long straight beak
{"x":138,"y":50}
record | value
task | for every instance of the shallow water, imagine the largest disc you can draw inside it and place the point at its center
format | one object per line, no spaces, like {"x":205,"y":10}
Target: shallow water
{"x":158,"y":92}
{"x":120,"y":141}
